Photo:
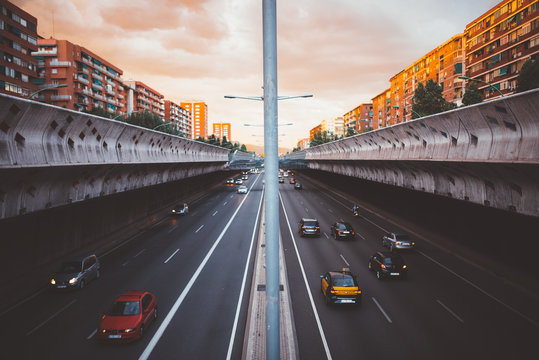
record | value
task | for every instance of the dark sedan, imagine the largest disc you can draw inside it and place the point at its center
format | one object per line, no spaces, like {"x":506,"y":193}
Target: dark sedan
{"x":298,"y":186}
{"x":388,"y":264}
{"x":309,"y":227}
{"x":342,"y":231}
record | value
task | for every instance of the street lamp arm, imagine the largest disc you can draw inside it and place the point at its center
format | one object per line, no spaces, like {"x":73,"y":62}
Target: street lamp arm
{"x":482,"y":81}
{"x":46,"y":88}
{"x":294,"y":97}
{"x":259,"y":98}
{"x":160,"y":125}
{"x":415,"y":112}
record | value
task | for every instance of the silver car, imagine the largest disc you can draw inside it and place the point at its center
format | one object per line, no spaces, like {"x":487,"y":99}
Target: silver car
{"x":242,"y":189}
{"x":397,"y":241}
{"x":76,"y":273}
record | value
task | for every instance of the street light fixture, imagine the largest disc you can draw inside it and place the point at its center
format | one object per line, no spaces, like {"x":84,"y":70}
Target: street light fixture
{"x":46,"y":88}
{"x":484,"y":82}
{"x":260,"y":125}
{"x":415,"y":112}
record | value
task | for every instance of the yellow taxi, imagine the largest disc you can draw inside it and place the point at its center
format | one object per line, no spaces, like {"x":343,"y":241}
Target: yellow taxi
{"x":340,"y":287}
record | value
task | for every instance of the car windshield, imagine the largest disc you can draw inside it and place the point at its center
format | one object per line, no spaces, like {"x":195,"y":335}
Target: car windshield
{"x":402,"y":237}
{"x":343,"y":280}
{"x":397,"y":261}
{"x":71,"y":267}
{"x":124,"y":308}
{"x":344,"y":227}
{"x":311,"y":223}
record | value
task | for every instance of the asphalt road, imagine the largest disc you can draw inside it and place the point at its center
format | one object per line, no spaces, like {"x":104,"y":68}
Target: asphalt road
{"x":194,"y":265}
{"x":447,"y":308}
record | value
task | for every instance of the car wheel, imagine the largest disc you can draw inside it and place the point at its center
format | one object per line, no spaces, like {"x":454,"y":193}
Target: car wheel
{"x":81,"y":286}
{"x":141,"y":331}
{"x":378,"y":275}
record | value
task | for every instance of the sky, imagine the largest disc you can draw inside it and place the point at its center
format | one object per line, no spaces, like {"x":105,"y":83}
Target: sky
{"x":342,"y":51}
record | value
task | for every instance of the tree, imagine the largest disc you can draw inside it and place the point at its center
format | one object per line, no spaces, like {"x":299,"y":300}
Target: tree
{"x":350,"y":131}
{"x":429,"y":100}
{"x":98,"y":111}
{"x":472,"y":95}
{"x":529,"y":75}
{"x":243,"y":148}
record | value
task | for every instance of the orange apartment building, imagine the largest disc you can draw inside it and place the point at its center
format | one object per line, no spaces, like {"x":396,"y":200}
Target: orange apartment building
{"x":303,"y":143}
{"x":381,"y":109}
{"x":199,"y":116}
{"x":221,"y":130}
{"x":141,"y":97}
{"x":359,"y":118}
{"x":18,"y":39}
{"x":90,"y":80}
{"x":180,"y":117}
{"x":499,"y":42}
{"x":314,"y":131}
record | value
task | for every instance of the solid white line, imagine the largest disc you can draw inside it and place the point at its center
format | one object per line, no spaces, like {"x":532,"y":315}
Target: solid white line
{"x":451,"y":312}
{"x":343,"y":259}
{"x":125,"y":263}
{"x":382,"y":310}
{"x":331,"y":211}
{"x":140,"y":252}
{"x":50,"y":318}
{"x":22,"y":302}
{"x":240,"y":297}
{"x":481,"y":290}
{"x":317,"y":318}
{"x":199,"y":229}
{"x":166,"y":321}
{"x":214,"y":213}
{"x":91,"y":335}
{"x":361,"y":236}
{"x":170,"y":257}
{"x":225,"y":203}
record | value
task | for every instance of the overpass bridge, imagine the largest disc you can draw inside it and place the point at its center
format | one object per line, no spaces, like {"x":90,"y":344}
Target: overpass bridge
{"x":486,"y":154}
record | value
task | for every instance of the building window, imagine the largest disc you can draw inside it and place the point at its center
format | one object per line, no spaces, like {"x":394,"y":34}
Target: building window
{"x":54,"y":71}
{"x":24,"y":78}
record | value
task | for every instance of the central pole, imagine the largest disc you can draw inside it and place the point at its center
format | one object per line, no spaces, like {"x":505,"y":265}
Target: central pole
{"x":271,"y":165}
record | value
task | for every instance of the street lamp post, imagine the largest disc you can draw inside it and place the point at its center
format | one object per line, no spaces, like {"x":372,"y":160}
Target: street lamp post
{"x":481,"y":81}
{"x":46,"y":88}
{"x":415,"y":112}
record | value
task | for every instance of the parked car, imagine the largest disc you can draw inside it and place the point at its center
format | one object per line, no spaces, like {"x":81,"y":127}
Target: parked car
{"x":298,"y":186}
{"x":128,"y":316}
{"x":180,"y":209}
{"x":340,"y":287}
{"x":76,"y":273}
{"x":242,"y":189}
{"x":342,"y":231}
{"x":397,"y":241}
{"x":309,"y":227}
{"x":388,"y":264}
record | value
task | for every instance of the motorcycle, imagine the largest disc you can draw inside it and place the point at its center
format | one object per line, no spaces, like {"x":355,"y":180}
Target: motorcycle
{"x":356,"y":212}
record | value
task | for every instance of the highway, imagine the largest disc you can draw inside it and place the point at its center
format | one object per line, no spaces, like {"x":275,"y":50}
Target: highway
{"x":445,"y":309}
{"x":197,"y":265}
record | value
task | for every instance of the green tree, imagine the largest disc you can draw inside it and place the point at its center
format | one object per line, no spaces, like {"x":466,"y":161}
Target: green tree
{"x":243,"y":148}
{"x":350,"y":131}
{"x":528,"y":78}
{"x":472,"y":95}
{"x":99,"y":112}
{"x":429,"y":100}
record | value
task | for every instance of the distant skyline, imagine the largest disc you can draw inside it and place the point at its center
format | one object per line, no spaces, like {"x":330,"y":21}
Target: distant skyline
{"x":342,"y":51}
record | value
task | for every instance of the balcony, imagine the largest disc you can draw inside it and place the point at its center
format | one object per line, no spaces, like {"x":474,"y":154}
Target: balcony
{"x":120,"y":96}
{"x":60,"y":63}
{"x":100,"y":97}
{"x":61,"y":97}
{"x":52,"y":51}
{"x":83,"y":80}
{"x":95,"y":86}
{"x":96,"y":76}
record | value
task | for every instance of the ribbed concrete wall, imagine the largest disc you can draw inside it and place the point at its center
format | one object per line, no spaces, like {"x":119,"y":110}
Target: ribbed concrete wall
{"x":487,"y":153}
{"x":51,"y":157}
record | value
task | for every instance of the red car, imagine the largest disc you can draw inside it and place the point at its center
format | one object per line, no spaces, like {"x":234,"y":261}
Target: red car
{"x":128,"y":316}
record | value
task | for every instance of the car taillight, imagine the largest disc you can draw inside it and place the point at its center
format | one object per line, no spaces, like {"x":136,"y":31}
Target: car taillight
{"x":304,"y":227}
{"x":353,"y":233}
{"x":333,"y":291}
{"x":318,"y":227}
{"x":383,"y":266}
{"x":413,"y":243}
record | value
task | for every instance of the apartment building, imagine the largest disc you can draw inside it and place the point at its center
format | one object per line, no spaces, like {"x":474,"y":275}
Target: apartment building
{"x":180,"y":117}
{"x":303,"y":143}
{"x":381,"y":109}
{"x":315,"y":130}
{"x":18,"y":39}
{"x":199,"y":115}
{"x":87,"y":79}
{"x":499,"y":42}
{"x":358,"y":119}
{"x":141,"y":97}
{"x":221,"y":130}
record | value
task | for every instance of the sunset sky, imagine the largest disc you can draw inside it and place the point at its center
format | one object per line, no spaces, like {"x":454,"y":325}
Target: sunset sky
{"x":342,"y":51}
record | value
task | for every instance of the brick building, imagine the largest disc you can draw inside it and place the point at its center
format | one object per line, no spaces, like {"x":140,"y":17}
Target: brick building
{"x":18,"y":39}
{"x":141,"y":97}
{"x":180,"y":117}
{"x":381,"y":109}
{"x":358,"y":119}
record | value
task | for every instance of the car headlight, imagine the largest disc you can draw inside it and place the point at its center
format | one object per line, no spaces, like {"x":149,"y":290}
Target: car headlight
{"x":129,"y":330}
{"x":53,"y":282}
{"x":173,"y":211}
{"x":404,"y":266}
{"x":73,"y":280}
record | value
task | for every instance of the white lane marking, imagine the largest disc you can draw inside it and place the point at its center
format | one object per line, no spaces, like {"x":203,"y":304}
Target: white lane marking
{"x":125,"y":263}
{"x":382,"y":310}
{"x":22,"y":302}
{"x":50,"y":318}
{"x":231,"y":196}
{"x":170,"y":257}
{"x":225,"y":203}
{"x":343,"y":259}
{"x":331,"y":211}
{"x":166,"y":321}
{"x":317,"y":318}
{"x":481,"y":290}
{"x":361,"y":236}
{"x":91,"y":335}
{"x":140,"y":252}
{"x":214,"y":213}
{"x":306,"y":209}
{"x":327,"y":237}
{"x":240,"y":297}
{"x":199,"y":229}
{"x":450,"y":311}
{"x":171,"y":230}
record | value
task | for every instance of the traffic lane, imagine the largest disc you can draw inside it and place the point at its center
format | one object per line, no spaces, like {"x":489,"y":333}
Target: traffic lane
{"x":206,"y":315}
{"x":518,"y":300}
{"x":116,"y":278}
{"x":427,"y":265}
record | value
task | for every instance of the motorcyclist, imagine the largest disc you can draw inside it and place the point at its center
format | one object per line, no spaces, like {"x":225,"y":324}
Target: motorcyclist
{"x":355,"y":209}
